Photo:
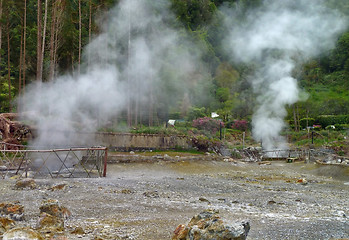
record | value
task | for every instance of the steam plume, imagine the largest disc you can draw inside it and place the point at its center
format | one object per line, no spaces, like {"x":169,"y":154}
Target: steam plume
{"x":272,"y":37}
{"x":137,"y":54}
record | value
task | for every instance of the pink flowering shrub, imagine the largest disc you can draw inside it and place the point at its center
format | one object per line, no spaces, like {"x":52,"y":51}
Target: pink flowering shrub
{"x":208,"y":124}
{"x":241,"y":125}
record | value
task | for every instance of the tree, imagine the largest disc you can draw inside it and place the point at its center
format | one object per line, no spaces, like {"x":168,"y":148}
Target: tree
{"x":39,"y":60}
{"x":0,"y":31}
{"x":80,"y":30}
{"x":8,"y":60}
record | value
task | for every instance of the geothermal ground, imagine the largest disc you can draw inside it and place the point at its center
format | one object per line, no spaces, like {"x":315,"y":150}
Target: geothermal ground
{"x":149,"y":200}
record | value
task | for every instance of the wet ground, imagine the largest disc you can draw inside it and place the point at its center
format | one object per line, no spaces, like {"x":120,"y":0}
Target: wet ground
{"x":148,"y":200}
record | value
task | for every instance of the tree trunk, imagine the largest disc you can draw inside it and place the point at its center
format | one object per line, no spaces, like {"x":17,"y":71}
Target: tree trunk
{"x":89,"y":34}
{"x":52,"y":41}
{"x":151,"y":110}
{"x":43,"y":40}
{"x":39,"y":45}
{"x":9,"y":64}
{"x":80,"y":29}
{"x":20,"y":68}
{"x":24,"y":44}
{"x":0,"y":30}
{"x":295,"y":118}
{"x":129,"y":103}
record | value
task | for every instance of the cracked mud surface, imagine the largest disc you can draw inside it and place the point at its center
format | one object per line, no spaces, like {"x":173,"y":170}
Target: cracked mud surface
{"x":149,"y":200}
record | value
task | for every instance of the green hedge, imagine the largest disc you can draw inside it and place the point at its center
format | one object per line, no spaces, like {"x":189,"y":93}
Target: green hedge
{"x":325,"y":120}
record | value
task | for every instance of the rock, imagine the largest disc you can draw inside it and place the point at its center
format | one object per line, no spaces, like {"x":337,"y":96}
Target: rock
{"x":6,"y":223}
{"x":208,"y":225}
{"x":13,"y":211}
{"x":49,"y":223}
{"x":264,"y":163}
{"x":201,"y":199}
{"x":22,"y":233}
{"x":58,"y":187}
{"x":181,"y":232}
{"x":26,"y":183}
{"x":78,"y":231}
{"x":302,"y":181}
{"x":151,"y":194}
{"x":52,"y":207}
{"x":52,"y":216}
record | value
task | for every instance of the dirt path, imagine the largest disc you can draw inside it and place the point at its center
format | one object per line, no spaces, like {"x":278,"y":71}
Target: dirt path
{"x":148,"y":200}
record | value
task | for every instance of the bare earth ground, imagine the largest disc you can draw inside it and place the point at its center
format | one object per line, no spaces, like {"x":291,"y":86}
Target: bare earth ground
{"x":148,"y":200}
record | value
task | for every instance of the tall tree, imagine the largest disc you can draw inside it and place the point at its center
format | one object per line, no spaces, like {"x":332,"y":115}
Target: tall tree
{"x":80,"y":30}
{"x":9,"y":61}
{"x":24,"y":44}
{"x":39,"y":61}
{"x":89,"y":32}
{"x":43,"y":40}
{"x":22,"y":67}
{"x":0,"y":30}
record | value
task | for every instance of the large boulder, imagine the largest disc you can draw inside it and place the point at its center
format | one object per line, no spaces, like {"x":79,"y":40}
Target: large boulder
{"x":22,"y":233}
{"x":208,"y":225}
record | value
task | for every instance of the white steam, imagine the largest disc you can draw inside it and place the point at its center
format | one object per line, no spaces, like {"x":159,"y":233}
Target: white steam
{"x":272,"y":37}
{"x":133,"y":60}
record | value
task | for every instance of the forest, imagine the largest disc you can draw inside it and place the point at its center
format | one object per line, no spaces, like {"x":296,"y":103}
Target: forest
{"x":45,"y":39}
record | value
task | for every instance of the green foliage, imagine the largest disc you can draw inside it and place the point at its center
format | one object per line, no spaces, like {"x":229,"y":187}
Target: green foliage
{"x":306,"y":122}
{"x":223,"y":94}
{"x":195,"y":113}
{"x":340,"y":127}
{"x":194,"y":13}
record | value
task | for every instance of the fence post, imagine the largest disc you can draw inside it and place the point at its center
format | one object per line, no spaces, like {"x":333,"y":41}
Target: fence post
{"x":105,"y":162}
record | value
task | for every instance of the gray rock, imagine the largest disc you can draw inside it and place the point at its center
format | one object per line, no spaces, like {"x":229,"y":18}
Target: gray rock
{"x":208,"y":225}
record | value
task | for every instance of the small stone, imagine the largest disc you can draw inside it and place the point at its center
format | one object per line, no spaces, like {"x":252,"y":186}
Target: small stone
{"x":302,"y":181}
{"x":151,"y":194}
{"x":203,"y":200}
{"x":58,"y":187}
{"x":126,"y":191}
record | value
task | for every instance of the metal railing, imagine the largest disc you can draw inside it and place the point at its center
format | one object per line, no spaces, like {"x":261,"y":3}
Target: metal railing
{"x":54,"y":163}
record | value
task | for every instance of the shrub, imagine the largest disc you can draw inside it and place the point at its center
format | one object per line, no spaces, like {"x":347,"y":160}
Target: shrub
{"x":241,"y":125}
{"x":208,"y":124}
{"x":340,"y":127}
